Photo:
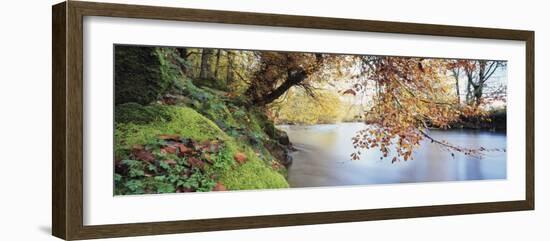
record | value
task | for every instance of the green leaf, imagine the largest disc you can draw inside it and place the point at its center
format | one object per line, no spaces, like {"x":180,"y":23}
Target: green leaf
{"x":135,"y":186}
{"x":164,"y":165}
{"x":165,"y":188}
{"x":118,"y":177}
{"x":160,"y":178}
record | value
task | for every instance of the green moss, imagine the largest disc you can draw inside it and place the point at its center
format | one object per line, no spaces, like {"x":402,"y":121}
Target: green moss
{"x":138,"y":114}
{"x":134,"y":126}
{"x":198,"y":94}
{"x":254,"y":174}
{"x":143,"y":74}
{"x":182,"y":121}
{"x":169,"y":66}
{"x":137,"y":75}
{"x":218,"y":84}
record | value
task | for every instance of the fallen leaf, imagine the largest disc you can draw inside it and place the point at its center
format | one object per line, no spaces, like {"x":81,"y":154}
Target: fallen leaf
{"x":194,"y":162}
{"x":137,"y":147}
{"x":208,"y":158}
{"x":168,"y":137}
{"x":183,"y":150}
{"x":183,"y":189}
{"x":141,"y":154}
{"x":170,"y":162}
{"x":188,"y":189}
{"x":219,"y":187}
{"x":240,"y":157}
{"x":168,"y":150}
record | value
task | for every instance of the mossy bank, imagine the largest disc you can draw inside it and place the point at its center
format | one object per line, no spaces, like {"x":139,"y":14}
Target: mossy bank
{"x":178,"y":137}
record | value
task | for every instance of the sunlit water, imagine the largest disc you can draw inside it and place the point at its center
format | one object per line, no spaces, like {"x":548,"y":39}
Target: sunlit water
{"x":323,"y":158}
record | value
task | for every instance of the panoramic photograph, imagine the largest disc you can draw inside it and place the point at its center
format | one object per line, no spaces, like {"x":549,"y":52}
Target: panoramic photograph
{"x":191,"y":119}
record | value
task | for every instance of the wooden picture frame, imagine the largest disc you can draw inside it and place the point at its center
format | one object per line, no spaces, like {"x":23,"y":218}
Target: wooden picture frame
{"x":67,"y":152}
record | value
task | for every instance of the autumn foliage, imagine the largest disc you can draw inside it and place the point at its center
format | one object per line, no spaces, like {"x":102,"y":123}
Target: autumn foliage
{"x":410,"y":95}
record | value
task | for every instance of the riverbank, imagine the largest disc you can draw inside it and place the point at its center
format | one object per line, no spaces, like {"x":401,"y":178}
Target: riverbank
{"x":494,"y":120}
{"x":174,"y":136}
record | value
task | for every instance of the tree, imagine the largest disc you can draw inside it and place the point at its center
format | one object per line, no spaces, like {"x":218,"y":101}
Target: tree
{"x":229,"y":73}
{"x":478,"y":72}
{"x":205,"y":72}
{"x":412,"y":94}
{"x":183,"y":54}
{"x":217,"y":67}
{"x":455,"y":67}
{"x":298,"y":107}
{"x":278,"y":72}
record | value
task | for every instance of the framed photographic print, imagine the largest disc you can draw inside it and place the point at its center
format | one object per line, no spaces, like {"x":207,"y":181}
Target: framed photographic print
{"x":170,"y":120}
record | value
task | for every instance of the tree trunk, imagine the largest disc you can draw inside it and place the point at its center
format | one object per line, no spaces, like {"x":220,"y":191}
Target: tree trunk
{"x":229,"y":74}
{"x":456,"y":75}
{"x":469,"y":85}
{"x":457,"y":92}
{"x":217,"y":64}
{"x":294,"y":77}
{"x":183,"y":54}
{"x":478,"y":94}
{"x":205,"y":64}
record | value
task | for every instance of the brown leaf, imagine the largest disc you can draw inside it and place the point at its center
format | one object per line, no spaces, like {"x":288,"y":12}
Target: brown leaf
{"x":213,"y":147}
{"x":137,"y":147}
{"x":168,"y":137}
{"x":194,"y":162}
{"x":188,"y":189}
{"x":183,"y":150}
{"x":349,"y":91}
{"x":168,"y":149}
{"x":144,"y":155}
{"x":240,"y":157}
{"x":183,"y":189}
{"x":219,"y":187}
{"x":208,"y":158}
{"x":170,"y":162}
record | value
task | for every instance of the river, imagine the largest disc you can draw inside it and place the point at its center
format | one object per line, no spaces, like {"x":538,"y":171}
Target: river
{"x":322,"y":158}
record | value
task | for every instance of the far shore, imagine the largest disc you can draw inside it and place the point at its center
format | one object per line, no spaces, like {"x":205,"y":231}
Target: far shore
{"x":453,"y":127}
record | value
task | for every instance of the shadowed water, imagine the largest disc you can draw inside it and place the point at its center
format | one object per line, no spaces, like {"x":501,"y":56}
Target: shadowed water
{"x":323,"y":158}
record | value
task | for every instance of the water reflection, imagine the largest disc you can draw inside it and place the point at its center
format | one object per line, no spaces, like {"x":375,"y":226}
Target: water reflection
{"x":322,"y":158}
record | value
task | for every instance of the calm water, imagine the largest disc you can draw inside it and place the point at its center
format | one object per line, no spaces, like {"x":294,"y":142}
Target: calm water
{"x":322,"y":158}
